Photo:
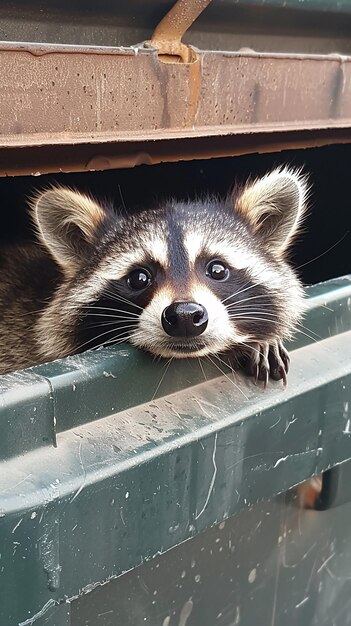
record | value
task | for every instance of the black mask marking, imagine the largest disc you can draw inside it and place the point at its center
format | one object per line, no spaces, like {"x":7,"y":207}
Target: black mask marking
{"x":250,"y":304}
{"x":113,"y":315}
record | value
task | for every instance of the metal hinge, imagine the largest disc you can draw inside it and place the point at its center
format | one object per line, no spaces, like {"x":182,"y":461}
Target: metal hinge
{"x":167,"y":36}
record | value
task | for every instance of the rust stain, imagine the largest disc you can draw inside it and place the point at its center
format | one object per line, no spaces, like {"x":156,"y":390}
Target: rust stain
{"x":308,"y":492}
{"x":194,"y":83}
{"x":162,"y":79}
{"x":168,"y":34}
{"x":255,"y":103}
{"x":336,"y":89}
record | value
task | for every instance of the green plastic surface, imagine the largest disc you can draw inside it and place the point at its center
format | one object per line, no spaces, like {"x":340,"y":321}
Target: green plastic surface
{"x":140,"y":468}
{"x":272,"y":564}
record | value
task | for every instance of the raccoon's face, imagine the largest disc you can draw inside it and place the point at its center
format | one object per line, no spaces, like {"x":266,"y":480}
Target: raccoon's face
{"x":184,"y":280}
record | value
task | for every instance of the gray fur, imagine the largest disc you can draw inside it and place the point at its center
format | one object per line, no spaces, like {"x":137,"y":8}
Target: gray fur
{"x":46,"y":290}
{"x":28,"y":279}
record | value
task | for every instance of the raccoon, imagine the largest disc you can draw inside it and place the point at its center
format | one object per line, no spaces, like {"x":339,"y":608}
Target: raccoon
{"x":185,"y":279}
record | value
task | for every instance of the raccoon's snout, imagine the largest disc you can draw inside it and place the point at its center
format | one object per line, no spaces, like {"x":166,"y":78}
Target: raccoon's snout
{"x":184,"y":319}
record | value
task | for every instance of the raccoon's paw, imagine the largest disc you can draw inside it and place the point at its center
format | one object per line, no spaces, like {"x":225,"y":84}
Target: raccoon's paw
{"x":267,"y":361}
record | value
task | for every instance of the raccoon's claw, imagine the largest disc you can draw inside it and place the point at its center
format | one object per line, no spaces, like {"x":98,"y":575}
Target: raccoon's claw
{"x":267,"y":361}
{"x":279,"y":361}
{"x":263,"y":363}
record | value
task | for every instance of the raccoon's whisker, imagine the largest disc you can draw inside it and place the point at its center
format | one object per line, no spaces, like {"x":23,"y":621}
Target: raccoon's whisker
{"x":115,"y":341}
{"x":255,"y":319}
{"x":242,"y":314}
{"x":325,"y":252}
{"x":240,"y":307}
{"x":93,"y":312}
{"x":112,"y":316}
{"x":105,"y":308}
{"x":246,"y":309}
{"x":111,"y":309}
{"x":122,"y":199}
{"x":246,"y":315}
{"x":226,"y":376}
{"x":246,"y":312}
{"x":202,"y":368}
{"x":308,"y":330}
{"x":225,"y":363}
{"x":234,"y":304}
{"x":156,"y":358}
{"x":118,"y":297}
{"x":33,"y":312}
{"x":306,"y":335}
{"x":244,"y":305}
{"x":115,"y":328}
{"x":106,"y":332}
{"x":236,"y":293}
{"x":162,"y":377}
{"x":251,"y":311}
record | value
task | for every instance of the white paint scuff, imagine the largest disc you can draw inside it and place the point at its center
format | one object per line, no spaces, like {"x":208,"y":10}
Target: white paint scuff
{"x":212,"y":479}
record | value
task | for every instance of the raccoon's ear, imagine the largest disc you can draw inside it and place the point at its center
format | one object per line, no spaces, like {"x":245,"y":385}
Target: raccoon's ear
{"x":67,"y":223}
{"x":274,"y":206}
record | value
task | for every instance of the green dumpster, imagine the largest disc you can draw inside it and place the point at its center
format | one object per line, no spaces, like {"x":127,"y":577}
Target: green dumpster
{"x":131,"y":495}
{"x":128,"y":503}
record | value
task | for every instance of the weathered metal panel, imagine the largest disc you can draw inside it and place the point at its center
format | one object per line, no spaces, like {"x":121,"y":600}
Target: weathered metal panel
{"x":69,"y":95}
{"x":105,"y":99}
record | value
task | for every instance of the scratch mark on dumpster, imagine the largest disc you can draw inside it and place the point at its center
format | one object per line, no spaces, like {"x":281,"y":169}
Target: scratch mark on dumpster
{"x":288,"y":424}
{"x":302,"y":602}
{"x":283,"y":458}
{"x":83,"y":469}
{"x":12,"y":487}
{"x":17,"y":525}
{"x":325,"y":562}
{"x":201,"y":407}
{"x":31,"y":620}
{"x":311,"y":575}
{"x":212,"y":479}
{"x":252,"y":456}
{"x":49,"y":545}
{"x":275,"y":423}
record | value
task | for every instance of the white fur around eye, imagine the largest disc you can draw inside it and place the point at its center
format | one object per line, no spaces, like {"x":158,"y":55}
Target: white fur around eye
{"x":194,"y":244}
{"x":118,"y":266}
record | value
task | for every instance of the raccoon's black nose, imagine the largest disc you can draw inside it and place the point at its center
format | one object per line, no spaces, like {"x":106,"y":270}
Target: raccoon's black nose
{"x":184,"y":319}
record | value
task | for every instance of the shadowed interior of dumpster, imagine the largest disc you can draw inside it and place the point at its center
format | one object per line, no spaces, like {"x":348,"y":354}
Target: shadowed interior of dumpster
{"x":321,"y":251}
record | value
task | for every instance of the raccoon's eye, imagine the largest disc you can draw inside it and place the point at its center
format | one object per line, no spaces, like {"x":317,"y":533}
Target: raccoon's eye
{"x":217,"y":270}
{"x":139,"y":279}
